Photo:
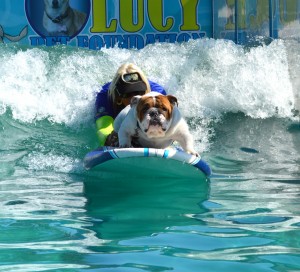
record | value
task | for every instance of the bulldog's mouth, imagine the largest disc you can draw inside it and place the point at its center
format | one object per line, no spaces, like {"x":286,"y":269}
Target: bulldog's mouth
{"x":156,"y":124}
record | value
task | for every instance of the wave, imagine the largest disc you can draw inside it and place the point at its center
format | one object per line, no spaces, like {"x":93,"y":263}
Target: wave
{"x":210,"y":78}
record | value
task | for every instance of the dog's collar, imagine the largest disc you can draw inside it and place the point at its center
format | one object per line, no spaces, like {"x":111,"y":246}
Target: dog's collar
{"x":137,"y":129}
{"x":138,"y":125}
{"x":59,"y":18}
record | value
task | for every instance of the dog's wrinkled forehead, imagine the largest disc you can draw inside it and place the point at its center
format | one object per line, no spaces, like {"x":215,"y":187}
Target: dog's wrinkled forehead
{"x":158,"y":100}
{"x":163,"y":104}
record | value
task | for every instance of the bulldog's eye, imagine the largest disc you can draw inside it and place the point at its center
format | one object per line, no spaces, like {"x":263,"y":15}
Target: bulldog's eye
{"x":164,"y":109}
{"x":145,"y":109}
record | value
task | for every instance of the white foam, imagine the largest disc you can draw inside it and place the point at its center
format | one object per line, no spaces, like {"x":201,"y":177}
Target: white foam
{"x":52,"y":162}
{"x":219,"y":76}
{"x":209,"y":77}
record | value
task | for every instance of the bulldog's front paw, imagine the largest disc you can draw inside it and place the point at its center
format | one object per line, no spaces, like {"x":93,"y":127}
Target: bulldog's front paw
{"x":124,"y":142}
{"x":125,"y":145}
{"x":193,"y":152}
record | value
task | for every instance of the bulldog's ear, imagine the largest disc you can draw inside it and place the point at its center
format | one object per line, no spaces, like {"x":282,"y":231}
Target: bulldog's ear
{"x":173,"y":100}
{"x":134,"y":100}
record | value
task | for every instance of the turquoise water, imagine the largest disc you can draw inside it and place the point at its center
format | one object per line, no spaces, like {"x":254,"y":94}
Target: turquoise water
{"x":241,"y":104}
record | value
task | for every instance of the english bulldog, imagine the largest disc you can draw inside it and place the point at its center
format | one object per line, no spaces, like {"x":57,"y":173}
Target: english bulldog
{"x":153,"y":120}
{"x":60,"y":19}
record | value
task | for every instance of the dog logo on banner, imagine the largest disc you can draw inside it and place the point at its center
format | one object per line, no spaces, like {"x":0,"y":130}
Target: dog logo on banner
{"x":57,"y":18}
{"x":12,"y":38}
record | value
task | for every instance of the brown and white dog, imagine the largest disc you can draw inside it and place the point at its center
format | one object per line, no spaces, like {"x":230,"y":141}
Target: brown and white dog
{"x":154,"y":120}
{"x":60,"y":19}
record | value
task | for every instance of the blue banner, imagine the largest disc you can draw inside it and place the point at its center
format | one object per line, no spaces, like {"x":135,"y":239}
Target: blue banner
{"x":95,"y":24}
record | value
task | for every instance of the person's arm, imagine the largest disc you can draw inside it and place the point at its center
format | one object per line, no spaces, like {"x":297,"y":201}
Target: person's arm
{"x":155,"y":87}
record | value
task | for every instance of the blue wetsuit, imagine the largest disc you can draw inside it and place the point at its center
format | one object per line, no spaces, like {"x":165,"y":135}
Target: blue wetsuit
{"x":104,"y":106}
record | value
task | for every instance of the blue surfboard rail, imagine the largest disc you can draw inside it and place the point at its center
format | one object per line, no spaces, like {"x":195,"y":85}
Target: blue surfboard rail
{"x":104,"y":154}
{"x":138,"y":23}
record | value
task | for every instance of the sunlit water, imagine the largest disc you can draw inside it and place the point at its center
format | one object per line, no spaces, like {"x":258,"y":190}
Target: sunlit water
{"x":242,"y":106}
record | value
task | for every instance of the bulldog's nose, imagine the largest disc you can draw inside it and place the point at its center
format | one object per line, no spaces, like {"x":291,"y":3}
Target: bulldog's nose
{"x":153,"y":113}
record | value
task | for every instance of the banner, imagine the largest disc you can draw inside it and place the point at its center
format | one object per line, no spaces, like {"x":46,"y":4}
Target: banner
{"x":95,"y":24}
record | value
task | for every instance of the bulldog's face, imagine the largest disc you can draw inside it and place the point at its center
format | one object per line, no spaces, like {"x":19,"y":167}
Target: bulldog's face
{"x":154,"y":113}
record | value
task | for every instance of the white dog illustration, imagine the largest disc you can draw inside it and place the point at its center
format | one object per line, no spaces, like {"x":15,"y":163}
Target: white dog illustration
{"x":60,"y":19}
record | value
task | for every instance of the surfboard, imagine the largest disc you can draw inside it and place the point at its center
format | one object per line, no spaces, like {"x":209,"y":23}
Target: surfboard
{"x":146,"y":162}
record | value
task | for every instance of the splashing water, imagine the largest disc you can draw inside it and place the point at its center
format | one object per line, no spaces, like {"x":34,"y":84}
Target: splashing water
{"x":209,"y":77}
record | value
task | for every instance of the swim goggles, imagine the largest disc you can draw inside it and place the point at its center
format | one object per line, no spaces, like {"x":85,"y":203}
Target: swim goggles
{"x":132,"y":77}
{"x":129,"y":85}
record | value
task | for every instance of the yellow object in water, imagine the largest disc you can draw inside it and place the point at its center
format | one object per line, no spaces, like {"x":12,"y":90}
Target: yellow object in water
{"x":104,"y":127}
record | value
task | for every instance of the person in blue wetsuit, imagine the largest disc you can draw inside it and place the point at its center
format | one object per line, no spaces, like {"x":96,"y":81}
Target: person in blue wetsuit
{"x":116,"y":95}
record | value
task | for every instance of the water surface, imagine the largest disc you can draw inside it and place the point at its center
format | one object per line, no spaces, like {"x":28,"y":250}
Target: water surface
{"x":241,"y":104}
